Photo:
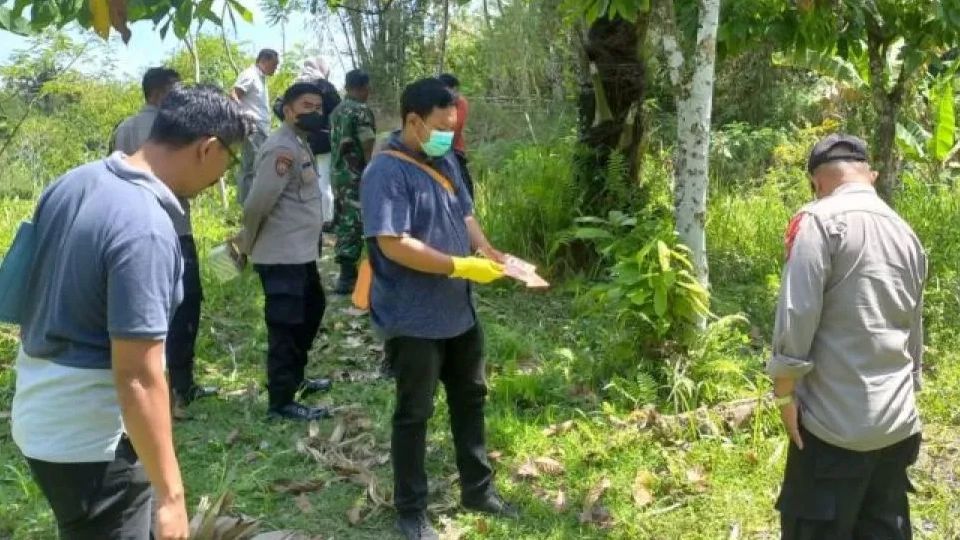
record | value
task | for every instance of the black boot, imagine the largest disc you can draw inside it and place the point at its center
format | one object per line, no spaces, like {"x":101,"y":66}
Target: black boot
{"x":347,"y":280}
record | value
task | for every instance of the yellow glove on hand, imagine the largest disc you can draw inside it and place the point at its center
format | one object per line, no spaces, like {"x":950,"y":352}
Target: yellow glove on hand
{"x":476,"y":269}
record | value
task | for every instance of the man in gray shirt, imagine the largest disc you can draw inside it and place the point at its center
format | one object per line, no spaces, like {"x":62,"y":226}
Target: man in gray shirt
{"x":181,"y":340}
{"x":251,"y":92}
{"x":847,"y":350}
{"x":91,"y":410}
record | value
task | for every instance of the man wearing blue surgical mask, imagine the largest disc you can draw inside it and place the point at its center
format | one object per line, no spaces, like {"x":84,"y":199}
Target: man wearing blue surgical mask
{"x":421,"y":236}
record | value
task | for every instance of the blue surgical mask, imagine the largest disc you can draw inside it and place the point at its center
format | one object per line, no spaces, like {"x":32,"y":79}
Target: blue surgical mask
{"x":438,"y":144}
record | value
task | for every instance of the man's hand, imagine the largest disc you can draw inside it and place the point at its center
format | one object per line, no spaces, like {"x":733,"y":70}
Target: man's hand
{"x":476,"y":269}
{"x":790,"y":414}
{"x":171,"y":520}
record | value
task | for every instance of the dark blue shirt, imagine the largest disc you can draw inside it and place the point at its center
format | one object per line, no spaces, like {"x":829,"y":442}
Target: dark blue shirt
{"x":399,"y":199}
{"x":107,"y":264}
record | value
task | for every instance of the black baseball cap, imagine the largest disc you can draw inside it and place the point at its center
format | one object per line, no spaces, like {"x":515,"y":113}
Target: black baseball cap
{"x":837,"y":147}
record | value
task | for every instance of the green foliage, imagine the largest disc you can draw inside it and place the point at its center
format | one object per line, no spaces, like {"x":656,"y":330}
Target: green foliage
{"x":591,"y":10}
{"x":650,"y":290}
{"x":216,"y":62}
{"x":61,"y":116}
{"x":178,"y":14}
{"x":526,"y":201}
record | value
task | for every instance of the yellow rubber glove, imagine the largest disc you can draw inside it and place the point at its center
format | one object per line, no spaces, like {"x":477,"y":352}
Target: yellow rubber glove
{"x":476,"y":269}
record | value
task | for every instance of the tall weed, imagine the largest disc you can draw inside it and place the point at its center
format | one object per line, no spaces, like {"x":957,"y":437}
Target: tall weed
{"x":527,"y":200}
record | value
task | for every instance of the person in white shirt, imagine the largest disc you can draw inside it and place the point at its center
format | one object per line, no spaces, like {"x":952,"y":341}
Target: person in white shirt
{"x":250,"y":91}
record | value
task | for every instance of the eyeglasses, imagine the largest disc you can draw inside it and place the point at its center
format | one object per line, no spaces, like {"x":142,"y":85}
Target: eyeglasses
{"x":234,"y":159}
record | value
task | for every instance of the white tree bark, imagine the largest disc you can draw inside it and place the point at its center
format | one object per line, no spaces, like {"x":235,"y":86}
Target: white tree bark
{"x":694,"y":97}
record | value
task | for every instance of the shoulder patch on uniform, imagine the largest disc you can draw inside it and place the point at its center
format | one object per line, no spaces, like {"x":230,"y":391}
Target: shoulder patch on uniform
{"x":791,"y":234}
{"x":283,"y":163}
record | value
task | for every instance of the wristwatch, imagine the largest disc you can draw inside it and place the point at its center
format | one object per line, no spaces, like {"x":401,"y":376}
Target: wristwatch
{"x":780,"y":401}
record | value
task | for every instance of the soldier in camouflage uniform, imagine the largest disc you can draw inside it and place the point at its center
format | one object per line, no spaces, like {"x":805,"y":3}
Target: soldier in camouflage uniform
{"x":351,"y":139}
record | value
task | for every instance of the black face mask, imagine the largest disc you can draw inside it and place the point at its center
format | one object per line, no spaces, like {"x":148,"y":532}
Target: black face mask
{"x":310,"y":122}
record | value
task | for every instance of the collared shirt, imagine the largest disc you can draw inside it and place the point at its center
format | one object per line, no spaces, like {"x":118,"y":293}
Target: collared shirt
{"x":130,"y":135}
{"x":400,"y":199}
{"x":848,"y":322}
{"x":108,"y":266}
{"x":256,"y":97}
{"x":283,"y":214}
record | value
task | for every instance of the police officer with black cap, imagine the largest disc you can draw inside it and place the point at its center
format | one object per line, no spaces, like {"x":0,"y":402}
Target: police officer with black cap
{"x":282,"y":219}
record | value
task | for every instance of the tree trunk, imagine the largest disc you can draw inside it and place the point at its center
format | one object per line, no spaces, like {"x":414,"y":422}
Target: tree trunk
{"x":611,"y":94}
{"x":443,"y":35}
{"x":887,"y":105}
{"x":693,"y":131}
{"x":694,"y":98}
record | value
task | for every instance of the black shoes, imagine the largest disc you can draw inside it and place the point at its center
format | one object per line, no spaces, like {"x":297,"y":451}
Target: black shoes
{"x":416,"y":527}
{"x":296,"y":411}
{"x":492,"y":505}
{"x":314,"y":386}
{"x":347,"y":280}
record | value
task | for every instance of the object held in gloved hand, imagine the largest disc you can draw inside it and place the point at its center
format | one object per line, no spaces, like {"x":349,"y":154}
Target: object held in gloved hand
{"x":521,"y":270}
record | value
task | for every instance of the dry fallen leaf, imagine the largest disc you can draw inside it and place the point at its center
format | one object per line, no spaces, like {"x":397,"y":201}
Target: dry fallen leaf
{"x":313,"y":429}
{"x":495,"y":455}
{"x":642,"y":495}
{"x":549,"y":466}
{"x":590,"y":502}
{"x":303,"y":503}
{"x":560,"y":501}
{"x":697,"y":478}
{"x":338,"y":432}
{"x":449,"y":530}
{"x":528,"y":470}
{"x":297,"y":487}
{"x":555,"y":429}
{"x":355,"y":515}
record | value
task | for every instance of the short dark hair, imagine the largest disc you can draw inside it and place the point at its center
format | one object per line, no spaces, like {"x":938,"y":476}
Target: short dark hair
{"x":267,"y":54}
{"x":157,"y":79}
{"x":357,"y":79}
{"x":423,"y":96}
{"x":189,"y":113}
{"x":450,"y":80}
{"x":298,"y":89}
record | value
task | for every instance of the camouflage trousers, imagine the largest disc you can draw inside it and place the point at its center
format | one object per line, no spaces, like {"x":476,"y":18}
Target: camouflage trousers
{"x":347,"y":224}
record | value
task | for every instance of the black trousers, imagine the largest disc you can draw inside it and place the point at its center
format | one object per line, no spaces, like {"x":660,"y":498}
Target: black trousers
{"x":831,"y":493}
{"x":465,"y":171}
{"x":98,"y":501}
{"x":182,"y":336}
{"x":418,"y":364}
{"x":293,"y":308}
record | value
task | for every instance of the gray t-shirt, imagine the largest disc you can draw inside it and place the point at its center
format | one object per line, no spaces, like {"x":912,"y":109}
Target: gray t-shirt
{"x":108,"y":265}
{"x":130,"y":136}
{"x":398,"y":198}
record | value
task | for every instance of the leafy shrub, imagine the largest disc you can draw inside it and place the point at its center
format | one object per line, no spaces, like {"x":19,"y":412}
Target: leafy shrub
{"x":650,"y":290}
{"x":528,"y":200}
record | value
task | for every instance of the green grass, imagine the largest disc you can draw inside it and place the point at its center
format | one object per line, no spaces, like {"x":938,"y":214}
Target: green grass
{"x":702,"y":487}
